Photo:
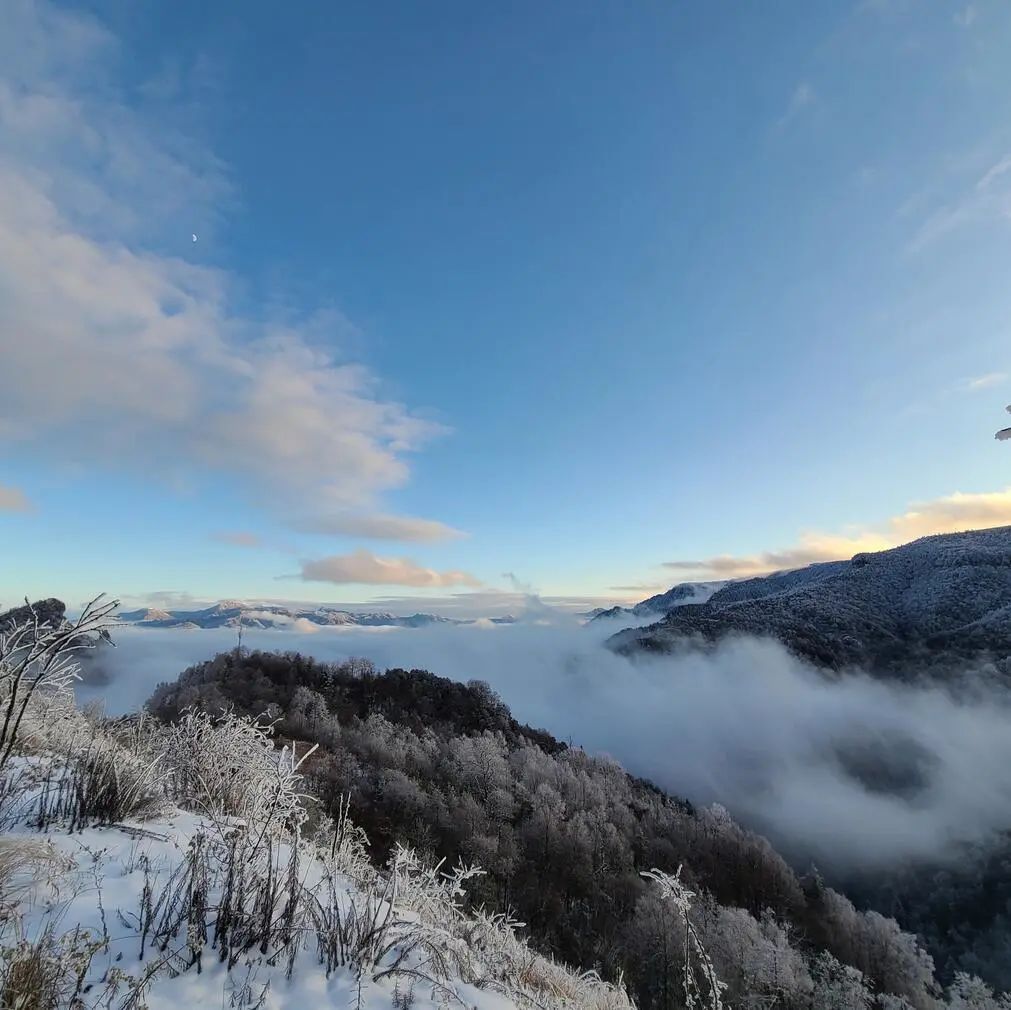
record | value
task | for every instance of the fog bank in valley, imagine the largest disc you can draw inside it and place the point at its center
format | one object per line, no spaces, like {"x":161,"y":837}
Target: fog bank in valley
{"x":853,"y":772}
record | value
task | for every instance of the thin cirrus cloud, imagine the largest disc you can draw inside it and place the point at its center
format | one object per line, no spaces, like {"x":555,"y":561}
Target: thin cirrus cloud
{"x":238,"y":538}
{"x":802,"y":98}
{"x":987,"y":381}
{"x":985,"y":201}
{"x":13,"y":499}
{"x":380,"y":527}
{"x":966,"y":17}
{"x":951,"y":514}
{"x":110,"y":325}
{"x":365,"y":568}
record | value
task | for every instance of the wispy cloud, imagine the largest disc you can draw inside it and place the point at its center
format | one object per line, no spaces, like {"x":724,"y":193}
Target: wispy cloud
{"x":987,"y":381}
{"x":967,"y":16}
{"x":364,"y":568}
{"x":986,"y":200}
{"x":13,"y":499}
{"x":994,"y":174}
{"x":164,"y":599}
{"x":813,"y":547}
{"x":951,"y":514}
{"x":380,"y":527}
{"x":111,"y":326}
{"x":238,"y":538}
{"x":885,"y":8}
{"x":802,"y":98}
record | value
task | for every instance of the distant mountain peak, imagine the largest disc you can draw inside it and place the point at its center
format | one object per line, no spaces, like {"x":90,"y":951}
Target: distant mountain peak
{"x":677,"y":596}
{"x":240,"y":614}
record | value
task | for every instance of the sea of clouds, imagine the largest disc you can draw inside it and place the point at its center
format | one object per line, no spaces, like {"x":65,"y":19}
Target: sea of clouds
{"x":851,"y":771}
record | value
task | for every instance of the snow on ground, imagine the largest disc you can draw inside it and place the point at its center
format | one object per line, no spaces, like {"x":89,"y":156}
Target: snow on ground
{"x":102,"y":893}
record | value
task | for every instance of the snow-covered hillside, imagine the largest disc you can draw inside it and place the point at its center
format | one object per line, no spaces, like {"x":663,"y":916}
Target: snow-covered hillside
{"x":676,"y":596}
{"x":113,"y":895}
{"x":931,"y":604}
{"x":126,"y":899}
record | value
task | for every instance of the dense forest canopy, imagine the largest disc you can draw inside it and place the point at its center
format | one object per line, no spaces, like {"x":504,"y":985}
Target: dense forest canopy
{"x":564,"y":836}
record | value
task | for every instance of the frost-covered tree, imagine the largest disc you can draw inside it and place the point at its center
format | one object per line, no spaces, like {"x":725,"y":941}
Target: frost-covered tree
{"x":967,"y":992}
{"x":482,"y":763}
{"x":701,"y":987}
{"x":755,"y":958}
{"x":308,"y":713}
{"x":38,"y":662}
{"x":838,"y":986}
{"x":897,"y":962}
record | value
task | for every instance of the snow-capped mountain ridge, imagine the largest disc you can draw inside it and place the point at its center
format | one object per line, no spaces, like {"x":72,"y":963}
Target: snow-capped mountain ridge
{"x":236,"y":614}
{"x":938,"y":603}
{"x":677,"y":596}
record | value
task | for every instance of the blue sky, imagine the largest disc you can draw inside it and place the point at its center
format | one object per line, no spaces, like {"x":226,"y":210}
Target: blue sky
{"x":599,"y":296}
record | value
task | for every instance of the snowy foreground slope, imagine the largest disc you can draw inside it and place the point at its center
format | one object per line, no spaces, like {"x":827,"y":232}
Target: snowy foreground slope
{"x":111,"y":895}
{"x":932,"y":604}
{"x":100,"y":880}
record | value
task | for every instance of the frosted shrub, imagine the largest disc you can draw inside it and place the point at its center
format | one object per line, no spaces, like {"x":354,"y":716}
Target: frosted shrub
{"x":345,"y":846}
{"x":97,"y":781}
{"x":25,"y":865}
{"x":38,"y":666}
{"x":227,"y":767}
{"x":47,"y":973}
{"x":701,"y":986}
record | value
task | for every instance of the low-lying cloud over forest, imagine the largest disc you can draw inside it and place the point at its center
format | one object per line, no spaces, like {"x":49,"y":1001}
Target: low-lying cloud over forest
{"x":849,"y":772}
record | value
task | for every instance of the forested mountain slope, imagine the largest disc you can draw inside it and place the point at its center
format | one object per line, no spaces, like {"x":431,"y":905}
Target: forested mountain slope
{"x":564,"y":837}
{"x":928,"y":606}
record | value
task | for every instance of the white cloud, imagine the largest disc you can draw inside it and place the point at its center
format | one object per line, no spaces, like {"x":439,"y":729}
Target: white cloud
{"x":812,"y":547}
{"x":487,"y":602}
{"x":984,"y":381}
{"x":954,"y":513}
{"x":380,"y":527}
{"x":164,"y":599}
{"x":966,"y":17}
{"x":994,"y":173}
{"x":985,"y":201}
{"x":110,"y":335}
{"x":950,"y":514}
{"x":803,"y":97}
{"x":239,"y":538}
{"x":364,"y":568}
{"x":645,"y":589}
{"x":13,"y":499}
{"x":746,"y":724}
